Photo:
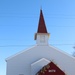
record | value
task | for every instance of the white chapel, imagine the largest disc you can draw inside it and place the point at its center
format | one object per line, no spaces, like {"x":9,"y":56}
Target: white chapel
{"x":42,"y":59}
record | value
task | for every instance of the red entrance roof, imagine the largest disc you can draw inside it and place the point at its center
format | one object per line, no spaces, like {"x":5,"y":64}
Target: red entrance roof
{"x":50,"y":69}
{"x":41,"y":26}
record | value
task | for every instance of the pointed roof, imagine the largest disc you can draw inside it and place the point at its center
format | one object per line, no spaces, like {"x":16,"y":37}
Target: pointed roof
{"x":41,"y":25}
{"x":51,"y":69}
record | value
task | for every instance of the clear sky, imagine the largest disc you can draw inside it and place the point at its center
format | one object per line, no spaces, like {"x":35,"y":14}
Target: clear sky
{"x":19,"y":21}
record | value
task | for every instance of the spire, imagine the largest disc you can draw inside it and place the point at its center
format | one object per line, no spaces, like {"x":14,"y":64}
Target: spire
{"x":42,"y":34}
{"x":41,"y":25}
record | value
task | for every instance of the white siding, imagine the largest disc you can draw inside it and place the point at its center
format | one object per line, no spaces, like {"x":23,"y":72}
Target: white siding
{"x":21,"y":63}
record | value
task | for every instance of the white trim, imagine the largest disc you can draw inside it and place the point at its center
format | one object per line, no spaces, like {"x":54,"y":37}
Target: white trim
{"x":61,"y":51}
{"x":36,"y":46}
{"x":40,"y":60}
{"x":19,"y":53}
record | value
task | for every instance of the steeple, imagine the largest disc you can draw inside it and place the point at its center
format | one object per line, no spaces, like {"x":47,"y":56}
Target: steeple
{"x":42,"y":35}
{"x":41,"y":25}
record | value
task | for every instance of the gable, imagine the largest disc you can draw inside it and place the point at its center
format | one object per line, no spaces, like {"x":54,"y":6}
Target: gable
{"x":23,"y":60}
{"x":37,"y":65}
{"x":51,"y":69}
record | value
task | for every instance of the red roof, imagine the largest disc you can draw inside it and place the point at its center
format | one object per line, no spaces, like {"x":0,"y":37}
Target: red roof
{"x":41,"y":25}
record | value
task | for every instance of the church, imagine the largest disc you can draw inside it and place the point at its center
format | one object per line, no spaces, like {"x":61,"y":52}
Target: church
{"x":42,"y":59}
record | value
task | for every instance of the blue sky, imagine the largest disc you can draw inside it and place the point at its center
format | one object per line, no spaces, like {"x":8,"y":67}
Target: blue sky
{"x":19,"y":22}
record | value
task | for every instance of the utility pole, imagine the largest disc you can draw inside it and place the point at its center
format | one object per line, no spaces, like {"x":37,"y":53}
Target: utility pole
{"x":74,"y":51}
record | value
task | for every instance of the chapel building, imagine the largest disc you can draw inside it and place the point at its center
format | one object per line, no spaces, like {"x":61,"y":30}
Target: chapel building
{"x":42,"y":59}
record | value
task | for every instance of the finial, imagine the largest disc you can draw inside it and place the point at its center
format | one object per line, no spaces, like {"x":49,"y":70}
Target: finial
{"x":41,"y":7}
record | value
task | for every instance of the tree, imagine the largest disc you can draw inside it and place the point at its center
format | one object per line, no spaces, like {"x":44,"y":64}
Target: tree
{"x":74,"y":51}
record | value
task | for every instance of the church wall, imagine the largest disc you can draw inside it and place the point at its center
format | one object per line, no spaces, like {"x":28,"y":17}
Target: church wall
{"x":21,"y":63}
